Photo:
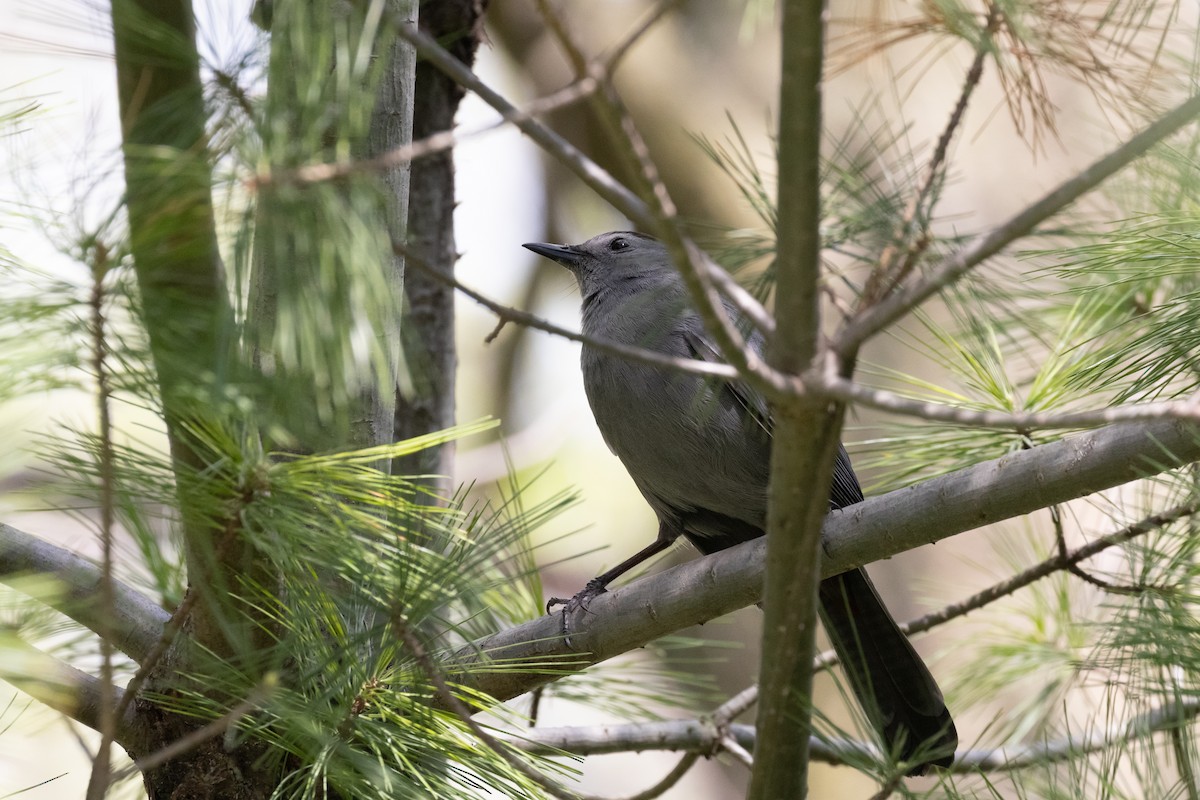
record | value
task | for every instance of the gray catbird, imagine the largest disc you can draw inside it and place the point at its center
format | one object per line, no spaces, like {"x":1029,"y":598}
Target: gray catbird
{"x":700,"y":450}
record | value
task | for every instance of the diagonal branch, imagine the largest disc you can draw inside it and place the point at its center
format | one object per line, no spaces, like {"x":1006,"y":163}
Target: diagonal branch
{"x":885,"y":275}
{"x":699,"y":271}
{"x":523,"y":658}
{"x":69,"y":691}
{"x":1058,"y":562}
{"x":427,"y":146}
{"x":137,"y":620}
{"x":592,"y":173}
{"x":879,"y":317}
{"x":519,"y":317}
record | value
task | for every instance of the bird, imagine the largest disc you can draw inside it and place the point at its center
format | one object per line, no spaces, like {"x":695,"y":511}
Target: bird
{"x":698,"y":449}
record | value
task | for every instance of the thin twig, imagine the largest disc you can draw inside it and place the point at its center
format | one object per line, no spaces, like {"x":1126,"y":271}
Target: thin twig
{"x":1165,"y":718}
{"x":508,"y":314}
{"x":722,"y":720}
{"x":1148,"y":524}
{"x":430,"y":145}
{"x":1060,"y":542}
{"x":956,"y":265}
{"x":693,"y":735}
{"x":734,"y":706}
{"x":888,"y":789}
{"x":618,"y":53}
{"x":880,"y":281}
{"x":449,"y":700}
{"x":834,"y":386}
{"x":730,"y":745}
{"x":1060,"y":561}
{"x":99,"y":780}
{"x":669,"y":780}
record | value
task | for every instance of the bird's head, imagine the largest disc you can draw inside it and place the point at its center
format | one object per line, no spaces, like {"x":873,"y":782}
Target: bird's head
{"x":610,"y":260}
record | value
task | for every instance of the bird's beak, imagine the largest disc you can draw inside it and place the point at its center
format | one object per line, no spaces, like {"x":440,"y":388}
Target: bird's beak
{"x":562,"y":253}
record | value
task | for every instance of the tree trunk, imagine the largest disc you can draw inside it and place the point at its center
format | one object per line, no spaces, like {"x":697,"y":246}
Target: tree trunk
{"x":425,"y":400}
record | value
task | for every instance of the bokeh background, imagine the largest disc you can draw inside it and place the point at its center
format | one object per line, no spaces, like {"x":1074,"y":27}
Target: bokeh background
{"x":707,"y":66}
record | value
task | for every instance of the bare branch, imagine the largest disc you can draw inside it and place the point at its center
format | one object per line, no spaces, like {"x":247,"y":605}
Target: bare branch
{"x":508,"y":314}
{"x":102,"y":762}
{"x":1049,"y":566}
{"x":69,"y":691}
{"x":520,"y":659}
{"x":1166,"y":718}
{"x":987,"y":245}
{"x":883,"y":278}
{"x":685,"y":735}
{"x":137,"y":620}
{"x":699,"y":736}
{"x":669,"y":780}
{"x":832,"y":385}
{"x":618,"y":53}
{"x":436,"y":143}
{"x":1022,"y":579}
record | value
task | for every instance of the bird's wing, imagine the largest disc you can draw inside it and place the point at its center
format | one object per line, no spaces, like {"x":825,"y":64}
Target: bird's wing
{"x":845,"y":490}
{"x":754,"y":404}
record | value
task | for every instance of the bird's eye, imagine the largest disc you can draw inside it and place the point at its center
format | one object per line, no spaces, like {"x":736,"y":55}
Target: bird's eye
{"x":618,"y":244}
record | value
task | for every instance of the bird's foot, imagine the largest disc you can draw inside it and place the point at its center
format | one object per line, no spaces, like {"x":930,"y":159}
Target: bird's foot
{"x":579,"y":602}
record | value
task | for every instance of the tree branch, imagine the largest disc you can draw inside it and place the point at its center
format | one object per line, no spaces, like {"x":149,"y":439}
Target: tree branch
{"x":695,"y":267}
{"x":137,"y":620}
{"x":886,"y":274}
{"x":523,"y":658}
{"x":689,"y":735}
{"x":69,"y":691}
{"x":700,"y":736}
{"x":1045,"y":568}
{"x":833,"y":385}
{"x":807,"y":434}
{"x":515,"y":315}
{"x":987,"y":245}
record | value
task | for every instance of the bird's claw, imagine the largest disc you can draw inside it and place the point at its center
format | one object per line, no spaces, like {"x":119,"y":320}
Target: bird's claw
{"x":571,"y":605}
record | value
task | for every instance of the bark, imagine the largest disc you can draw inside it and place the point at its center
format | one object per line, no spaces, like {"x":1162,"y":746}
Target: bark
{"x":391,"y":128}
{"x":425,"y":400}
{"x":807,"y":434}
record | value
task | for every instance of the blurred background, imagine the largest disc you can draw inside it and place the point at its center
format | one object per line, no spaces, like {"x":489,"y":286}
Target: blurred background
{"x":707,"y":66}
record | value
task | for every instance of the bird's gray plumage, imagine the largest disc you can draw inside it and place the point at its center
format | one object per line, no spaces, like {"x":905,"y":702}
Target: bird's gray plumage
{"x":699,"y":450}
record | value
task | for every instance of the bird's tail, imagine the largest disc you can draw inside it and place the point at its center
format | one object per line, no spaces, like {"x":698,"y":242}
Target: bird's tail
{"x":887,"y":676}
